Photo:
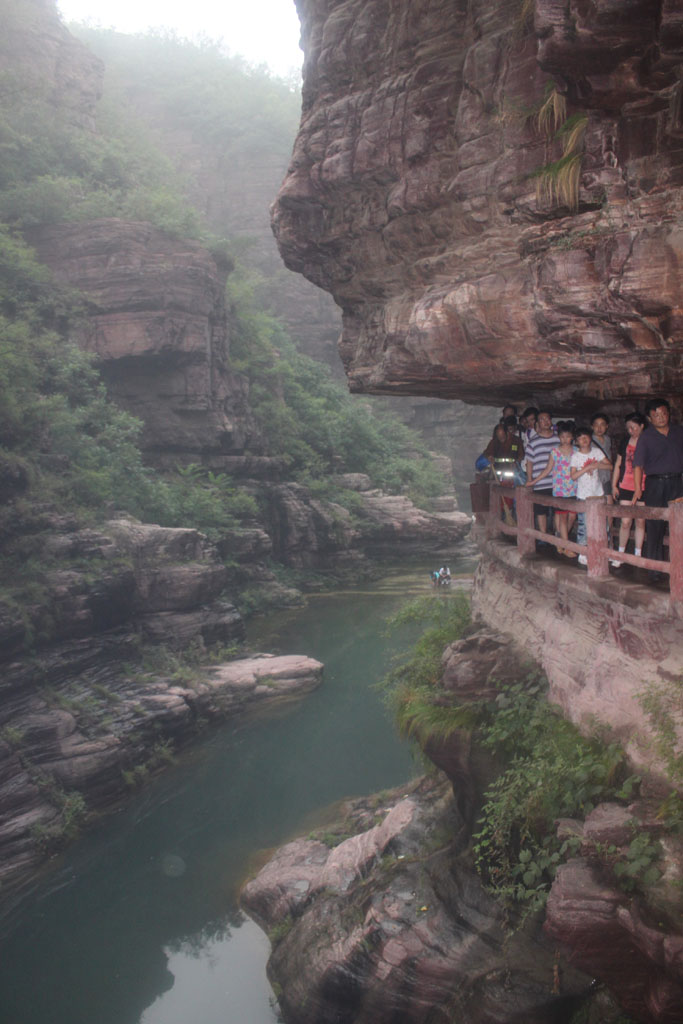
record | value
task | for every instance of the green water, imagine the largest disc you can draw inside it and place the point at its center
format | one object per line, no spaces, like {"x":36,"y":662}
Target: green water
{"x":138,"y":923}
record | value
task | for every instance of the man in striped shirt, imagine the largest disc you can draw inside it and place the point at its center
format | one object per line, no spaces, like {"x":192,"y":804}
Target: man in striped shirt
{"x":537,"y":453}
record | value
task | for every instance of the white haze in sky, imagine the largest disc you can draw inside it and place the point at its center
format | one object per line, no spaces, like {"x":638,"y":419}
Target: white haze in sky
{"x":262,"y":31}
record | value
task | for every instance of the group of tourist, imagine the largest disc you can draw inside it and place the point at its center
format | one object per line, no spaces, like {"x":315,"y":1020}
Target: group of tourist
{"x":566,"y":460}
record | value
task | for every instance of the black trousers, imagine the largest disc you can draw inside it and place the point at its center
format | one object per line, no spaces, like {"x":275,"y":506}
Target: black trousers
{"x":658,"y":493}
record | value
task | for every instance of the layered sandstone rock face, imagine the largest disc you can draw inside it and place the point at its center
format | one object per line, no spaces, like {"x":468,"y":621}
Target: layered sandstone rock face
{"x":392,"y":924}
{"x":604,"y":645}
{"x":86,"y":717}
{"x":158,"y":325}
{"x":412,"y":195}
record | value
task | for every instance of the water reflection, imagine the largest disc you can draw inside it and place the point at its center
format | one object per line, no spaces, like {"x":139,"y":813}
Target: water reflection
{"x":138,"y":924}
{"x":224,"y":977}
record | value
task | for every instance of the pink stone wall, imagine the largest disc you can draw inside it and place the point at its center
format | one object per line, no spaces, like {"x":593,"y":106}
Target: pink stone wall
{"x":600,"y":643}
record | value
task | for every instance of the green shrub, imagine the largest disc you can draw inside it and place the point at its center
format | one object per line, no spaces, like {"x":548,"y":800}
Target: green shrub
{"x":553,"y":772}
{"x":308,"y":417}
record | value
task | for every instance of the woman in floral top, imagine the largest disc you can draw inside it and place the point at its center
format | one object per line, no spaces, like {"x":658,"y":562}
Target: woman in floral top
{"x":563,"y":486}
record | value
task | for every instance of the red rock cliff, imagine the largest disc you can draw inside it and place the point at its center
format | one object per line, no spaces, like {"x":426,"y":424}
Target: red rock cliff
{"x":158,"y":325}
{"x":412,"y":194}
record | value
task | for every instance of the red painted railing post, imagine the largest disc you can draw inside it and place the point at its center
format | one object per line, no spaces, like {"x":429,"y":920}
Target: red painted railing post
{"x":493,"y":514}
{"x":676,"y":549}
{"x":596,"y":535}
{"x":525,"y":520}
{"x":479,"y":497}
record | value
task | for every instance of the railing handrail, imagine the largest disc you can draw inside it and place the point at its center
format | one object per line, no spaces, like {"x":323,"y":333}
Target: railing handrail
{"x":571,"y":505}
{"x":596,"y":510}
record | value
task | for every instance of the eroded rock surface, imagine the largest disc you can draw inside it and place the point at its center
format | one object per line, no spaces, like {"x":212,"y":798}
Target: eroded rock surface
{"x":603,"y":646}
{"x":82,"y":742}
{"x":615,"y":938}
{"x":628,"y":935}
{"x":310,"y":533}
{"x":411,"y":195}
{"x":158,"y":325}
{"x":65,"y":71}
{"x":393,"y":924}
{"x":92,"y":694}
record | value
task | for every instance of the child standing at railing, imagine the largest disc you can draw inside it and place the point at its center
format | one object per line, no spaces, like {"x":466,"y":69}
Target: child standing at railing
{"x":585,"y":464}
{"x":559,"y":466}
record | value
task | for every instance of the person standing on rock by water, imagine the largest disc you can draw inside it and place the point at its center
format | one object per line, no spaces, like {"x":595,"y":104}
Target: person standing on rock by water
{"x":659,"y":456}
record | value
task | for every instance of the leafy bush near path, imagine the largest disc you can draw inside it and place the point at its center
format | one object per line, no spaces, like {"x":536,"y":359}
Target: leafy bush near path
{"x":550,"y":770}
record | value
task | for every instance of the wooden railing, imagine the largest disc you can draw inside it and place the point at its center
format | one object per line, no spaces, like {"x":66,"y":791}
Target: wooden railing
{"x":486,"y":505}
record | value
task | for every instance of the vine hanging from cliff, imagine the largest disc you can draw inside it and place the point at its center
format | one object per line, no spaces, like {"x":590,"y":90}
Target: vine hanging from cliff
{"x":558,"y":182}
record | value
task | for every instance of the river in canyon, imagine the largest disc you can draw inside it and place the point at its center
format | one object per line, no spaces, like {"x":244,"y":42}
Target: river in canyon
{"x":138,"y":922}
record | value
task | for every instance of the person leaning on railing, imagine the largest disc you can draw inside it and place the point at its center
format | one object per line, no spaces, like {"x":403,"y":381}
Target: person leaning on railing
{"x":536,"y":458}
{"x":505,"y":452}
{"x":623,"y":483}
{"x":585,"y":465}
{"x":658,"y":455}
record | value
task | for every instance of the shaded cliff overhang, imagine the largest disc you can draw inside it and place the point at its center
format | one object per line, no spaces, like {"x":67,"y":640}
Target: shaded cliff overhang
{"x":412,"y":195}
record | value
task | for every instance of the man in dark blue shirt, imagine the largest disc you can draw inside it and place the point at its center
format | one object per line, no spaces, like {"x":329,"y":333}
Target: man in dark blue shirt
{"x":659,"y":458}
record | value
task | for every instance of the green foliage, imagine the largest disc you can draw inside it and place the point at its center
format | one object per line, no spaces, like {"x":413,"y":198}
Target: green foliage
{"x":417,"y":716}
{"x":662,"y":701}
{"x":309,"y":419}
{"x":54,"y":169}
{"x":136,"y":776}
{"x":638,"y":868}
{"x":195,"y":496}
{"x":446,"y":617}
{"x":243,"y":111}
{"x":553,"y":772}
{"x":12,"y":736}
{"x":419,"y":712}
{"x":670,"y":812}
{"x":330,"y":838}
{"x":75,"y":449}
{"x":53,"y":407}
{"x":281,"y":930}
{"x":72,"y":813}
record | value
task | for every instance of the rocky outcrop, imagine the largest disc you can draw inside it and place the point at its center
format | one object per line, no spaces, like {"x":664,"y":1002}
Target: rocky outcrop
{"x":393,"y":523}
{"x":76,"y":744}
{"x":103,"y":671}
{"x":158,"y":326}
{"x":606,"y":647}
{"x":620,"y":940}
{"x":412,"y":195}
{"x":52,"y":60}
{"x":125,"y":574}
{"x":308,"y":533}
{"x":392,"y":924}
{"x":615,"y":908}
{"x":314,"y":534}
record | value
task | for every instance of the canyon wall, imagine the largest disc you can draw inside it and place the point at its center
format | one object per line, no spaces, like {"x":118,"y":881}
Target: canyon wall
{"x":477,"y":250}
{"x":157,"y":323}
{"x":491,"y":191}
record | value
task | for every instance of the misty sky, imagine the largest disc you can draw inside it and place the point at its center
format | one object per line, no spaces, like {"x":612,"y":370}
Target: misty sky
{"x":263,"y":31}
